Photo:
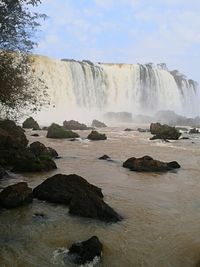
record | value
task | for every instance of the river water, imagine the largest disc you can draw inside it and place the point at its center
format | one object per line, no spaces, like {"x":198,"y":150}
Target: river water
{"x":161,"y":226}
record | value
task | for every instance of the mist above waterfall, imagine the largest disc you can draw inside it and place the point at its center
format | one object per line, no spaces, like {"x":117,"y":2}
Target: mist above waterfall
{"x":84,"y":91}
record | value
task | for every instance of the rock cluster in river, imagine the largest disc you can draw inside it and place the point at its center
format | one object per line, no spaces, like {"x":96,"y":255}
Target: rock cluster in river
{"x":16,"y":155}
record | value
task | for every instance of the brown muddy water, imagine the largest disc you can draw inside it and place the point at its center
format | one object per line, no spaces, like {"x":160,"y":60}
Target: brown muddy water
{"x":161,"y":226}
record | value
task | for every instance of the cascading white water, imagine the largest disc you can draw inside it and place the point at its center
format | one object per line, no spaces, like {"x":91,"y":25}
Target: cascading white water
{"x":82,"y":90}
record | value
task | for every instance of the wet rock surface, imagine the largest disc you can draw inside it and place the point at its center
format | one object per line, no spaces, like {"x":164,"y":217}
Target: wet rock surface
{"x":85,"y":251}
{"x":74,"y":125}
{"x":148,"y":164}
{"x":16,"y":195}
{"x":83,"y":198}
{"x":58,"y":132}
{"x":95,"y":136}
{"x":30,"y":123}
{"x":164,"y":132}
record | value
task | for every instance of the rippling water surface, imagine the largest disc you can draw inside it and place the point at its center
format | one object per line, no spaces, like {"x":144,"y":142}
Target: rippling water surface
{"x":162,"y":211}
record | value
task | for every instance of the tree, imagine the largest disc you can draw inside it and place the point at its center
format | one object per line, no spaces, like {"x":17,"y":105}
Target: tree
{"x":19,"y":86}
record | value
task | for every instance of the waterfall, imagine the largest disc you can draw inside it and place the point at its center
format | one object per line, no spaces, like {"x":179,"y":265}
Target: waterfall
{"x":83,"y":90}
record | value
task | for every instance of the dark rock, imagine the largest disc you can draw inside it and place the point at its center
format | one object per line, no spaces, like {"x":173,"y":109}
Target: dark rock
{"x":74,"y":125}
{"x":95,"y":136}
{"x":142,"y":130}
{"x":148,"y":164}
{"x":58,"y":132}
{"x":164,"y":132}
{"x":98,"y":124}
{"x":40,"y":149}
{"x":35,"y":135}
{"x":30,"y":123}
{"x":184,"y":138}
{"x":128,"y":130}
{"x":85,"y":252}
{"x":61,"y":188}
{"x":173,"y":165}
{"x":11,"y":135}
{"x":16,"y":195}
{"x":84,"y":199}
{"x":2,"y":172}
{"x":194,"y":131}
{"x":155,"y":127}
{"x":27,"y":161}
{"x":89,"y":205}
{"x":105,"y":157}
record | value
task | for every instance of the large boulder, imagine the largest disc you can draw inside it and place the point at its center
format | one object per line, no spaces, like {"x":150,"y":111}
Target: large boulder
{"x":95,"y":136}
{"x":164,"y":132}
{"x":27,"y":161}
{"x":74,"y":125}
{"x":16,"y":195}
{"x":89,"y":205}
{"x":84,"y":252}
{"x":148,"y":164}
{"x":30,"y":123}
{"x":58,"y":132}
{"x":40,"y":150}
{"x":11,"y":135}
{"x":61,"y":188}
{"x":98,"y":124}
{"x":83,"y":198}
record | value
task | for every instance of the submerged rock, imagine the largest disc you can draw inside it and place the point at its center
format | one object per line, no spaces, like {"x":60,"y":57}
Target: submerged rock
{"x":84,"y":252}
{"x":143,"y":130}
{"x":98,"y":124}
{"x":74,"y":125}
{"x":95,"y":136}
{"x":30,"y":123}
{"x":164,"y":132}
{"x":83,"y":198}
{"x":58,"y":132}
{"x":35,"y":135}
{"x":148,"y":164}
{"x":16,"y":195}
{"x":128,"y":130}
{"x":105,"y":157}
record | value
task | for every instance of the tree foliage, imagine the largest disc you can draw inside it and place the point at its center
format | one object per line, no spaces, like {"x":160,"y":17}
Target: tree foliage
{"x":20,"y":88}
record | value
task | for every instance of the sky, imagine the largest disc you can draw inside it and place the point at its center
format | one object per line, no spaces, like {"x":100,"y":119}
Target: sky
{"x":123,"y":31}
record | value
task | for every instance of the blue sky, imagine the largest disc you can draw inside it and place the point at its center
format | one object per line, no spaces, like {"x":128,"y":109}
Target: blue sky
{"x":127,"y":31}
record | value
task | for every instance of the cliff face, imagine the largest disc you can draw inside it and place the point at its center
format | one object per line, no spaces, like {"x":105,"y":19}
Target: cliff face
{"x":92,"y":89}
